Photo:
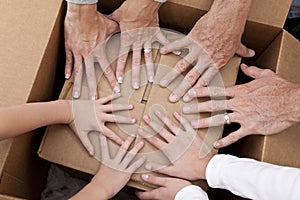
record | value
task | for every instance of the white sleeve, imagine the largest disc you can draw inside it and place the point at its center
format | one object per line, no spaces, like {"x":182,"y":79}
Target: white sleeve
{"x":82,"y":1}
{"x":191,"y":192}
{"x":252,"y":179}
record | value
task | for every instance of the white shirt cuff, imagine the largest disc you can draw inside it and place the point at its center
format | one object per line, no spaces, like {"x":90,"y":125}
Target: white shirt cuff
{"x":191,"y":192}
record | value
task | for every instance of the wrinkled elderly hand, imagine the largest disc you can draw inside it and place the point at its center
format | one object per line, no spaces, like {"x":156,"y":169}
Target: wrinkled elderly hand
{"x":138,"y":20}
{"x":114,"y":173}
{"x":265,"y":106}
{"x":86,"y":33}
{"x":213,"y":41}
{"x":92,"y":115}
{"x":186,"y":151}
{"x":168,"y":187}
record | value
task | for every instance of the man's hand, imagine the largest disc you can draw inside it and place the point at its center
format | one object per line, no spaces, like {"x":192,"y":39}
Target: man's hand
{"x":213,"y":41}
{"x":86,"y":33}
{"x":267,"y":105}
{"x":138,"y":20}
{"x":186,"y":151}
{"x":92,"y":115}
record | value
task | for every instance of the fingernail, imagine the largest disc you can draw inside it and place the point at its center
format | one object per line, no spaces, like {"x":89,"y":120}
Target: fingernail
{"x":117,"y":89}
{"x":187,"y":98}
{"x":141,"y":143}
{"x":163,"y":83}
{"x":135,"y":86}
{"x":163,"y":50}
{"x":93,"y":98}
{"x":176,"y":114}
{"x":120,"y":80}
{"x":76,"y":95}
{"x":243,"y":65}
{"x":146,"y":117}
{"x":148,"y":167}
{"x":133,"y":120}
{"x":251,"y":53}
{"x":145,"y":176}
{"x":91,"y":152}
{"x":192,"y":93}
{"x":217,"y":144}
{"x":186,"y":109}
{"x":151,"y":79}
{"x":157,"y":112}
{"x":178,"y":53}
{"x":67,"y":76}
{"x":173,"y":98}
{"x":194,"y":124}
{"x":130,"y":106}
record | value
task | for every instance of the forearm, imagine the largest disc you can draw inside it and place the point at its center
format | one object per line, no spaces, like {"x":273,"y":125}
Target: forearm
{"x":23,"y":118}
{"x":252,"y":179}
{"x":232,"y":12}
{"x":91,"y":192}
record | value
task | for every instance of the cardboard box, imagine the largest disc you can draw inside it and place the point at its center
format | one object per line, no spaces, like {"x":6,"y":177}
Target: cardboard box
{"x":30,"y":41}
{"x":5,"y":197}
{"x":145,"y":100}
{"x":260,"y":21}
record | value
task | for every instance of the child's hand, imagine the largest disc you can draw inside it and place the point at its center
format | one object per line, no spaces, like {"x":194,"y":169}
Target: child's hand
{"x":168,"y":187}
{"x":91,"y":116}
{"x":113,"y":173}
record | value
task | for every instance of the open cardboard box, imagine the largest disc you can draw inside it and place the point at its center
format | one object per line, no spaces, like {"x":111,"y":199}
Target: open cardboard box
{"x":30,"y":52}
{"x":30,"y":40}
{"x":149,"y":97}
{"x":54,"y":148}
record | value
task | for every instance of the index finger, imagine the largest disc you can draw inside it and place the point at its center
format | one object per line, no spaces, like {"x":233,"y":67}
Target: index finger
{"x":91,"y":77}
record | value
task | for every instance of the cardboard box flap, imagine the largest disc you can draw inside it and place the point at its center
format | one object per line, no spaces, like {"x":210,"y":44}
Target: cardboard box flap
{"x":260,"y":12}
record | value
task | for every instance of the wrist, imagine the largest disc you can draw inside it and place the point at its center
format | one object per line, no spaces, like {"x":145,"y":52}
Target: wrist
{"x":65,"y":108}
{"x":81,"y":11}
{"x":203,"y":166}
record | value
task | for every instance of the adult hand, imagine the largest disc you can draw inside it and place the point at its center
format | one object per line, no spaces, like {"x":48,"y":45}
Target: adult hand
{"x":213,"y":41}
{"x":92,"y":115}
{"x":113,"y":173}
{"x":138,"y":20}
{"x":86,"y":33}
{"x":168,"y":187}
{"x":263,"y":106}
{"x":184,"y":148}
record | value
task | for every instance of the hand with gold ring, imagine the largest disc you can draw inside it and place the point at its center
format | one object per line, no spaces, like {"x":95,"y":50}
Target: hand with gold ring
{"x":264,"y":106}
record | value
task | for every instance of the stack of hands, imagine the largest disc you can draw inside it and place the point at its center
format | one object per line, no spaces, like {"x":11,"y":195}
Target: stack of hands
{"x":213,"y":41}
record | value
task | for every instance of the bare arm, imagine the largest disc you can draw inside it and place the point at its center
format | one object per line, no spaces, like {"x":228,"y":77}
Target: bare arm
{"x":23,"y":118}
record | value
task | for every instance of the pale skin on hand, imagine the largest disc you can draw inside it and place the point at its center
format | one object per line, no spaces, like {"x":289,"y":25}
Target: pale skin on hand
{"x":265,"y":106}
{"x":191,"y":162}
{"x":138,"y":20}
{"x":98,"y":113}
{"x":167,"y":187}
{"x":114,"y":173}
{"x":213,"y":41}
{"x":86,"y":33}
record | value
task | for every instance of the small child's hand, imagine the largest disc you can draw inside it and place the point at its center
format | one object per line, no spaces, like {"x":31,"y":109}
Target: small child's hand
{"x":114,"y":173}
{"x":91,"y":116}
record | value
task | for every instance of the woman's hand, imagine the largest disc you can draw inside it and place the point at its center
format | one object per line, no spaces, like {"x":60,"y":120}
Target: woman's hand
{"x":138,"y":20}
{"x":186,"y":151}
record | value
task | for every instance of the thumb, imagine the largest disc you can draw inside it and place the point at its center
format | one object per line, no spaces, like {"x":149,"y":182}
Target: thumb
{"x":243,"y":51}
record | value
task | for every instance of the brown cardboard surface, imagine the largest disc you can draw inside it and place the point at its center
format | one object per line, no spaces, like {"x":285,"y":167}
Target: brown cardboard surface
{"x":28,"y":60}
{"x":145,"y":99}
{"x":5,"y":197}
